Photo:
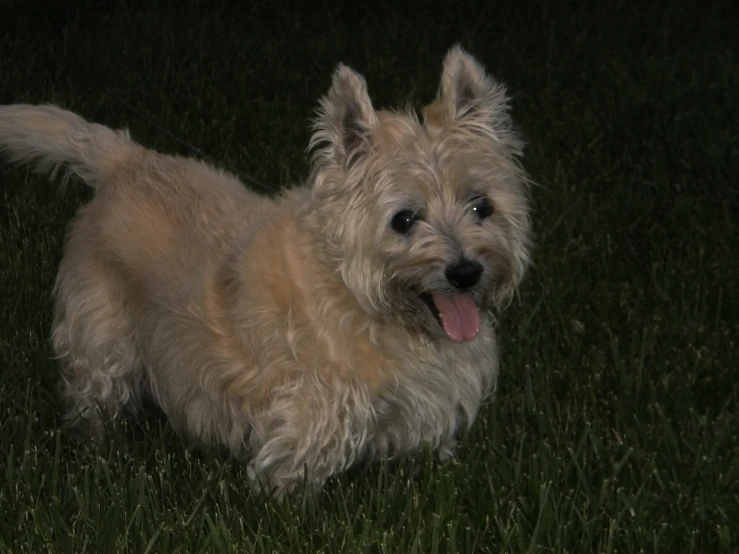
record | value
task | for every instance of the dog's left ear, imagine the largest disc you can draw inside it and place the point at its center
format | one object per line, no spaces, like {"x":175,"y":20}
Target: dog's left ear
{"x":345,"y":118}
{"x":467,"y":94}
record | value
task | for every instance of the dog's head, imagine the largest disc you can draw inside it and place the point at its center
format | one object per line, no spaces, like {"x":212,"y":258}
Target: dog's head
{"x":426,"y":221}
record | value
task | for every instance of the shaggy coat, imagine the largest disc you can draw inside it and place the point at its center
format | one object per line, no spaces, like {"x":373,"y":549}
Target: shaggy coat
{"x":350,"y":318}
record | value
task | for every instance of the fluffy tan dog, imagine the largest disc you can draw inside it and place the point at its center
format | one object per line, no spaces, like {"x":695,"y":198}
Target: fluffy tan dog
{"x":349,"y":319}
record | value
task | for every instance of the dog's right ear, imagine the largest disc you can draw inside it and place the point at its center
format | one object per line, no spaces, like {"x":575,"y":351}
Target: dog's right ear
{"x":344,"y":120}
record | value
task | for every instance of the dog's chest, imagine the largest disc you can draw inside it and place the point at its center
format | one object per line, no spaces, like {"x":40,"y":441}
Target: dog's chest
{"x":436,"y":390}
{"x":447,"y":373}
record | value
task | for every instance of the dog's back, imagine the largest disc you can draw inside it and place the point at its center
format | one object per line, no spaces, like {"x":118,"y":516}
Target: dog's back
{"x":143,"y":199}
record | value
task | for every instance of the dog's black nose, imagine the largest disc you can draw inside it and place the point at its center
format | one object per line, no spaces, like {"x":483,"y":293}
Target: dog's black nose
{"x":464,"y":274}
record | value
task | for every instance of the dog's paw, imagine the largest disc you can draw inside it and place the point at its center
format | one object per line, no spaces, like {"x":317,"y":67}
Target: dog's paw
{"x":446,"y":452}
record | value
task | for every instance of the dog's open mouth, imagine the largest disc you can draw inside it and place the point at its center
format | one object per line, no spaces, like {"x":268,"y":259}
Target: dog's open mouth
{"x":456,"y":313}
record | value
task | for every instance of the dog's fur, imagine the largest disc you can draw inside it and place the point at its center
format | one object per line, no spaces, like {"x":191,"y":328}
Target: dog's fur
{"x":292,"y":330}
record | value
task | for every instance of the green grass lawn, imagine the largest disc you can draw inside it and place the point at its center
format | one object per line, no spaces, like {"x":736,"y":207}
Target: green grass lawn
{"x":616,"y":423}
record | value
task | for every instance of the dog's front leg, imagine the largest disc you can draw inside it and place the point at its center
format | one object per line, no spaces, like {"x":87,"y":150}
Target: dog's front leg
{"x":320,"y":428}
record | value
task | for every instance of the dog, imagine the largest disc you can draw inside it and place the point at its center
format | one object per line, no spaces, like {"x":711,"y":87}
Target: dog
{"x":348,"y":319}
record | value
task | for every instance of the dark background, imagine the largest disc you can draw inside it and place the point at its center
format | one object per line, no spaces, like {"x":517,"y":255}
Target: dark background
{"x":615,"y":423}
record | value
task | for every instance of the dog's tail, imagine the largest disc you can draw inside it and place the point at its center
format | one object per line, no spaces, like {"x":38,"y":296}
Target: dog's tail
{"x":48,"y":138}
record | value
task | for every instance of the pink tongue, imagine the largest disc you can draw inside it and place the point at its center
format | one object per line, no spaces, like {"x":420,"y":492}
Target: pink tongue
{"x":459,"y":316}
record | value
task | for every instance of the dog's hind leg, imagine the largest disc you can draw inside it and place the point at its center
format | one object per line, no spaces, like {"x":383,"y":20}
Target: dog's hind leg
{"x":101,"y":376}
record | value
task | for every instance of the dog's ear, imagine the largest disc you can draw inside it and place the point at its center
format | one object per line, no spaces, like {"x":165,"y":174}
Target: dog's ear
{"x":345,"y":118}
{"x":468,"y":95}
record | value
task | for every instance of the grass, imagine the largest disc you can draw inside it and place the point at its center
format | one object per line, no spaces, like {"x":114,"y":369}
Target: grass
{"x":616,"y":423}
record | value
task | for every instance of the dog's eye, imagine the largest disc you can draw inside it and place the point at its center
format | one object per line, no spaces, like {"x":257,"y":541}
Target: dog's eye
{"x":403,"y":221}
{"x":482,"y":207}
